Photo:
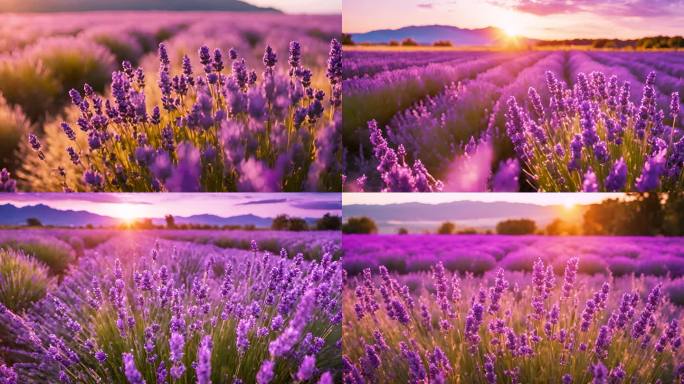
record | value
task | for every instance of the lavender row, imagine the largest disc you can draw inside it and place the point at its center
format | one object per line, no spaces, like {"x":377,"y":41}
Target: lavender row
{"x":162,"y":311}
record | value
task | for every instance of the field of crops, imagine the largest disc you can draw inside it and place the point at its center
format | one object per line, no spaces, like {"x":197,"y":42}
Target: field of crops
{"x":170,"y":102}
{"x":481,"y":253}
{"x":505,"y":121}
{"x":95,"y":306}
{"x":494,"y":309}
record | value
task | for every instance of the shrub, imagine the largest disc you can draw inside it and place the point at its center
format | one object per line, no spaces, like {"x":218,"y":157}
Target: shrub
{"x":478,"y":264}
{"x":516,"y":227}
{"x":620,"y":266}
{"x":73,"y":61}
{"x":56,"y":255}
{"x":37,"y":100}
{"x":23,"y":280}
{"x":447,"y":228}
{"x":675,"y":291}
{"x":359,"y":225}
{"x":14,"y":128}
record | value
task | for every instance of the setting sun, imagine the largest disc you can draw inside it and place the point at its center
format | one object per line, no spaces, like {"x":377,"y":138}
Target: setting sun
{"x":511,"y":30}
{"x":127,"y":212}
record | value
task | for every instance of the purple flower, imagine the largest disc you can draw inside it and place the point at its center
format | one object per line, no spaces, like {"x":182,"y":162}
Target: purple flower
{"x":326,"y":378}
{"x":132,"y":373}
{"x":599,"y":373}
{"x":617,"y":178}
{"x":603,"y":342}
{"x":506,"y":178}
{"x":490,"y":375}
{"x":270,"y":58}
{"x":265,"y":374}
{"x":307,"y":368}
{"x":295,"y":58}
{"x":7,"y":184}
{"x":204,"y":361}
{"x":654,"y":167}
{"x":674,"y":105}
{"x":589,"y":183}
{"x":646,"y":316}
{"x":334,"y":72}
{"x":93,"y":178}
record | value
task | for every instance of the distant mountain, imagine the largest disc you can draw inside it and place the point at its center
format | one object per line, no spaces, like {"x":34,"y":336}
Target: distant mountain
{"x":220,"y":221}
{"x":12,"y":215}
{"x":477,"y":214}
{"x":128,"y":5}
{"x":428,"y":34}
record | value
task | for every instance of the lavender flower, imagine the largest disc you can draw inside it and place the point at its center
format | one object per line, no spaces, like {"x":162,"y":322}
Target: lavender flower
{"x":132,"y":373}
{"x":203,"y":367}
{"x":265,"y":374}
{"x":307,"y":368}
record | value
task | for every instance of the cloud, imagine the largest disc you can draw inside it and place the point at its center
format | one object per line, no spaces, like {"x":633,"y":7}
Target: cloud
{"x":425,"y":6}
{"x":319,"y":205}
{"x":634,"y":8}
{"x":266,"y":201}
{"x":47,"y":197}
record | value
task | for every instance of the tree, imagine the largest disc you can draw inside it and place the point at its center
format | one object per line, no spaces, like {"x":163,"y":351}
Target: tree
{"x":447,"y":228}
{"x":33,"y":222}
{"x":402,"y":231}
{"x":359,"y":225}
{"x":297,"y":224}
{"x":329,"y":223}
{"x":516,"y":227}
{"x":442,"y":43}
{"x":347,"y":39}
{"x":560,"y":227}
{"x":409,"y":42}
{"x":280,"y":223}
{"x":170,"y":221}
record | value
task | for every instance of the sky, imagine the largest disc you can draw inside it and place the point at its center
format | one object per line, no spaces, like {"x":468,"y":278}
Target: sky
{"x":302,"y":6}
{"x":152,"y":205}
{"x":544,"y":199}
{"x":540,"y":19}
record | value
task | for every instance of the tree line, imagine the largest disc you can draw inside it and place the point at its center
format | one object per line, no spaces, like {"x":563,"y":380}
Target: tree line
{"x":646,"y":214}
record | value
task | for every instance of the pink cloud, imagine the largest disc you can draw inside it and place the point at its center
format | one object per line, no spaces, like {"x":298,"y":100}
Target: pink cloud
{"x":641,"y":8}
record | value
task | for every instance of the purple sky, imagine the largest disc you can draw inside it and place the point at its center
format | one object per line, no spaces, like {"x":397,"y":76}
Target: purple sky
{"x":302,"y":6}
{"x":545,"y":19}
{"x":129,"y":205}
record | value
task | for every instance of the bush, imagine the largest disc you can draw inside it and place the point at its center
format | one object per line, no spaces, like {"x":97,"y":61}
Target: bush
{"x":394,"y":264}
{"x":447,"y":228}
{"x":56,"y":255}
{"x":620,"y":266}
{"x":516,"y":227}
{"x":359,"y":225}
{"x":662,"y":266}
{"x":23,"y":280}
{"x":14,"y":127}
{"x":675,"y":291}
{"x":478,"y":264}
{"x":36,"y":100}
{"x":402,"y":231}
{"x":521,"y":260}
{"x":409,"y":42}
{"x":74,"y":61}
{"x":329,"y":223}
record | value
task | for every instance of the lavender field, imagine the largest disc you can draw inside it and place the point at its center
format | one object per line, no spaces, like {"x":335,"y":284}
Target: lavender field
{"x":129,"y":306}
{"x":494,"y":309}
{"x":170,"y":102}
{"x":508,"y":121}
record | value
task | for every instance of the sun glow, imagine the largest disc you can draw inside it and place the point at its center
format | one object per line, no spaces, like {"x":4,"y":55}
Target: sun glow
{"x":128,"y":213}
{"x":511,"y":30}
{"x":569,"y":205}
